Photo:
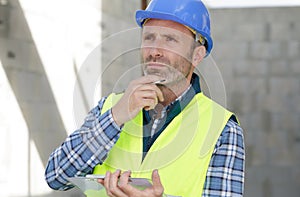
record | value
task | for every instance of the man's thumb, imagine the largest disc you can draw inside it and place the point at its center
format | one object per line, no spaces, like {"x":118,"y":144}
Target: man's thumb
{"x":156,"y":179}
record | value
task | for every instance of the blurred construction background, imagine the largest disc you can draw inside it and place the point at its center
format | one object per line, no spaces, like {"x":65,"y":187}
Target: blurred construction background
{"x":57,"y":57}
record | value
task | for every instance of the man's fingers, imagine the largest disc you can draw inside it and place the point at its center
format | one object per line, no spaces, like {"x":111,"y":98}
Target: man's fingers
{"x":140,"y":94}
{"x":156,"y":178}
{"x":146,"y":99}
{"x":124,"y":181}
{"x":159,"y":93}
{"x":149,"y":94}
{"x":113,"y":187}
{"x":148,"y":103}
{"x":147,"y":82}
{"x":157,"y":186}
{"x":111,"y":184}
{"x":106,"y":183}
{"x":101,"y":181}
{"x":114,"y":179}
{"x":152,"y":88}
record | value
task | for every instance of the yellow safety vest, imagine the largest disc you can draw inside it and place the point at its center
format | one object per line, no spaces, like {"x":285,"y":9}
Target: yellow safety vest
{"x":181,"y":153}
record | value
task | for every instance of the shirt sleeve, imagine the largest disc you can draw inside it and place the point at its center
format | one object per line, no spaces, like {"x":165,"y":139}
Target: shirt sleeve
{"x":83,"y":149}
{"x":225,"y":175}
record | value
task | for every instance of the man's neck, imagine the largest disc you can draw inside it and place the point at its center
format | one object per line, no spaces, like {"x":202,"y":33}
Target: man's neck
{"x":171,"y":93}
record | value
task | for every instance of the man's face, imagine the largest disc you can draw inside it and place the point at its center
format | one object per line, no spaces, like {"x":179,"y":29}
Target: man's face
{"x":167,"y":50}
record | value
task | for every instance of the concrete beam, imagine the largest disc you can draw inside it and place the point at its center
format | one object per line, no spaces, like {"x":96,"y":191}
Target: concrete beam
{"x":28,"y":80}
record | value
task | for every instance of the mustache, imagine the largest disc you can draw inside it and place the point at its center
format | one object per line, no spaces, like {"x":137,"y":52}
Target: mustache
{"x":160,"y":60}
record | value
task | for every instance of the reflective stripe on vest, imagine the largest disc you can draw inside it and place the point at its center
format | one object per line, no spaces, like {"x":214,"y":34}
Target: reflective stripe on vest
{"x":181,"y":153}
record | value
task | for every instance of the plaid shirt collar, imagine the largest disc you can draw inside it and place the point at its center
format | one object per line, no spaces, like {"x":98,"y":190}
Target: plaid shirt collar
{"x":187,"y":95}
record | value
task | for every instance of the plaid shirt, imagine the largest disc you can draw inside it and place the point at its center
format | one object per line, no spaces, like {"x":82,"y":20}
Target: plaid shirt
{"x":89,"y":146}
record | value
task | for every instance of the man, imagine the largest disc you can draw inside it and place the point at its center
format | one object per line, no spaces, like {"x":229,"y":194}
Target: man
{"x":162,"y":127}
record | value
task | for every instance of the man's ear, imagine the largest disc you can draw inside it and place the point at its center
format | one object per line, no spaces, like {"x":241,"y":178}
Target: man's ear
{"x":198,"y":55}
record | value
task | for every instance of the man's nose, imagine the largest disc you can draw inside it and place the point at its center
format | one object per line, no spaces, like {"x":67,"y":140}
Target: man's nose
{"x":156,"y":49}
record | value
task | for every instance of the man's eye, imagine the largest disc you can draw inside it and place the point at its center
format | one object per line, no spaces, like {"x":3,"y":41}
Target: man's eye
{"x":169,"y":38}
{"x":149,"y":37}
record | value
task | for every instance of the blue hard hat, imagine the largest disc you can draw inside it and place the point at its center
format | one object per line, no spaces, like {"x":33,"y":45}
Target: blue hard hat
{"x":191,"y":13}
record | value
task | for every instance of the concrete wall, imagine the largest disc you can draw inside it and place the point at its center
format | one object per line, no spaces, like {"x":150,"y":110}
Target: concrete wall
{"x":27,"y":78}
{"x":257,"y":52}
{"x":41,"y":49}
{"x":120,"y":44}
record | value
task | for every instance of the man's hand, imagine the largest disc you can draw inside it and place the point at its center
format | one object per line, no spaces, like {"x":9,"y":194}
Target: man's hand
{"x":118,"y":185}
{"x":140,"y":94}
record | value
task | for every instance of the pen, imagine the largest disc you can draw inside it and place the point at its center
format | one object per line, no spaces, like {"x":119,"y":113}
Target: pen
{"x":159,"y":81}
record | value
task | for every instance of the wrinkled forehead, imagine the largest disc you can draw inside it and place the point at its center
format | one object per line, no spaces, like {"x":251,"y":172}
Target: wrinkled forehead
{"x":166,"y":26}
